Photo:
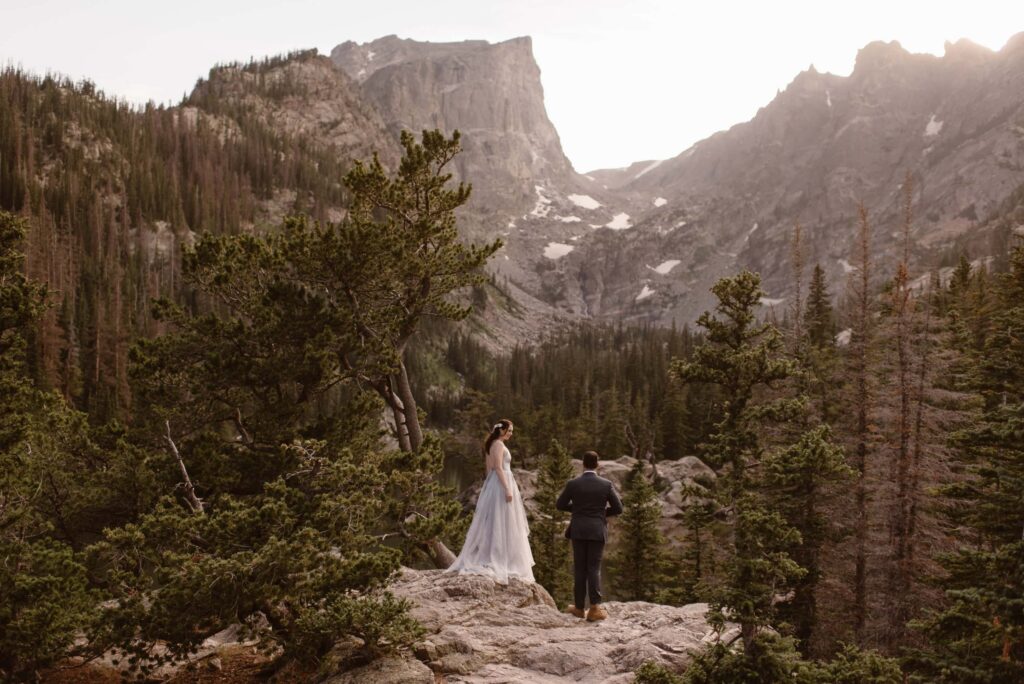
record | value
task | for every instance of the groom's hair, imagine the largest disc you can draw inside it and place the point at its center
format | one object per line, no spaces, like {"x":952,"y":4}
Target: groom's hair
{"x":590,"y":460}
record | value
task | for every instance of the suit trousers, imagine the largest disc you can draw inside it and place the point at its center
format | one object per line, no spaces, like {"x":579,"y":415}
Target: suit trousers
{"x":586,"y":562}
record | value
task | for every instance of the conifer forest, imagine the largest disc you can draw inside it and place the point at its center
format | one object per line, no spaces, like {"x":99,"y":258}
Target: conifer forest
{"x":243,"y":382}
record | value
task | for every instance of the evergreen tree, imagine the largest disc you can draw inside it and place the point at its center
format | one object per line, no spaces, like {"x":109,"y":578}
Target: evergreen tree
{"x":799,"y":478}
{"x":698,"y":557}
{"x":398,"y":260}
{"x":44,"y":596}
{"x":818,"y":353}
{"x":819,"y":322}
{"x":743,"y":358}
{"x":639,"y":564}
{"x":979,"y":637}
{"x":551,"y":551}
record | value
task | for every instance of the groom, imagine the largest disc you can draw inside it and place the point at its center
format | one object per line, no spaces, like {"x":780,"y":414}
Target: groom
{"x":591,"y":499}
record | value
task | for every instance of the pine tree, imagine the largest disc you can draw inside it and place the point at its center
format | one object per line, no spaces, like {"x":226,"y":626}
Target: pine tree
{"x":409,"y":262}
{"x":551,"y":551}
{"x":979,"y":637}
{"x":45,"y":601}
{"x":799,"y":478}
{"x":818,"y":353}
{"x":639,"y":563}
{"x":743,"y":358}
{"x":819,"y":321}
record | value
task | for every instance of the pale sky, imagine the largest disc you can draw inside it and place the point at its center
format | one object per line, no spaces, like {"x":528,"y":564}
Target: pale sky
{"x":624,"y":81}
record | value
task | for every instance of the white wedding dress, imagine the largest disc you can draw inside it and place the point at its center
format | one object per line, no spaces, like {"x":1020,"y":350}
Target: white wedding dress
{"x":498,"y":544}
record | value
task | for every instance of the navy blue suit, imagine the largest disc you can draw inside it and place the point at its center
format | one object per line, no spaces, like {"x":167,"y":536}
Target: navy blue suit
{"x":592,"y":500}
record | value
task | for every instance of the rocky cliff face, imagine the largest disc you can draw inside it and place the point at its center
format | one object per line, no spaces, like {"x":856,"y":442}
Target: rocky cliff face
{"x":956,"y":123}
{"x":490,"y":92}
{"x":646,"y":242}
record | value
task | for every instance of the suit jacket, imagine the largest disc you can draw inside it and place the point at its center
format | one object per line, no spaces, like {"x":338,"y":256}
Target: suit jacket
{"x":591,"y":499}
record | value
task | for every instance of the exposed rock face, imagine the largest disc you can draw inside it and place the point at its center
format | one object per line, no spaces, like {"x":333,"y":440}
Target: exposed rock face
{"x":826,"y":142}
{"x":646,"y":242}
{"x":483,"y":632}
{"x":491,"y":92}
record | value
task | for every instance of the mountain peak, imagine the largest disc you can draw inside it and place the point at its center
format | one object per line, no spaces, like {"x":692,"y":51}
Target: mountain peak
{"x":879,"y":54}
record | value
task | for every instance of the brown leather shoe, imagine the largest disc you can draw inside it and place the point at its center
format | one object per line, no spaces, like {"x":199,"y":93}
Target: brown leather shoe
{"x":596,"y":613}
{"x":575,"y":612}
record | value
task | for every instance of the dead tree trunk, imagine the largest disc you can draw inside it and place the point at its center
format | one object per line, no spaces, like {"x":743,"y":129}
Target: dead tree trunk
{"x":861,"y":340}
{"x":195,"y":504}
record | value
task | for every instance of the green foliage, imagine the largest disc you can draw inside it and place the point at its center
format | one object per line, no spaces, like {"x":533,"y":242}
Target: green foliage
{"x":380,"y":622}
{"x":743,"y":358}
{"x":44,"y":595}
{"x":852,"y":665}
{"x":44,"y":603}
{"x":652,"y":673}
{"x":819,"y":321}
{"x":585,"y":384}
{"x":767,"y":659}
{"x":800,"y":479}
{"x":979,"y":635}
{"x":740,"y":356}
{"x":306,"y":552}
{"x":21,"y":301}
{"x":113,"y":191}
{"x":777,"y":661}
{"x":551,"y":550}
{"x":640,"y":563}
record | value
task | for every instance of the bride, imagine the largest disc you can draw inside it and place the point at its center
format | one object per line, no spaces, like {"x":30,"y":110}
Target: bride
{"x":497,"y":543}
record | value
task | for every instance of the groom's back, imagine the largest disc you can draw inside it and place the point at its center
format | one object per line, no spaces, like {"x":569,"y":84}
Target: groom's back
{"x":590,"y":495}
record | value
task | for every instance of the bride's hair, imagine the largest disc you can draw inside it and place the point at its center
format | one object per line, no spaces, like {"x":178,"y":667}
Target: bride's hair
{"x":499,"y":428}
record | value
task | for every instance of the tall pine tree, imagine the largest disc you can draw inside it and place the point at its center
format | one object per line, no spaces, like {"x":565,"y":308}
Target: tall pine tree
{"x":551,"y":551}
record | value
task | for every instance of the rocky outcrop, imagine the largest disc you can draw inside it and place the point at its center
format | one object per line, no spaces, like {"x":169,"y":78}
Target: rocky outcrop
{"x":490,"y":92}
{"x":483,"y":632}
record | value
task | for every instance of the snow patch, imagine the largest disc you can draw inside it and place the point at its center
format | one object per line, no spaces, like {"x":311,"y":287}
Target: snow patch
{"x":361,"y":73}
{"x":543,"y":206}
{"x":649,"y":167}
{"x":768,"y":301}
{"x":585,"y":201}
{"x":644,"y":293}
{"x":590,"y":178}
{"x":370,"y":55}
{"x":574,"y":238}
{"x":933,"y":127}
{"x":847,"y":266}
{"x":843,"y":338}
{"x":569,"y":219}
{"x":557,"y":250}
{"x":752,"y":229}
{"x":619,"y":222}
{"x":665,"y":266}
{"x":828,"y":99}
{"x":660,"y":201}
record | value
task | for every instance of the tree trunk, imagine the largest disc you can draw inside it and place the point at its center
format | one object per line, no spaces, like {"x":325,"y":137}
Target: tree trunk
{"x":412,"y":420}
{"x":440,"y":554}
